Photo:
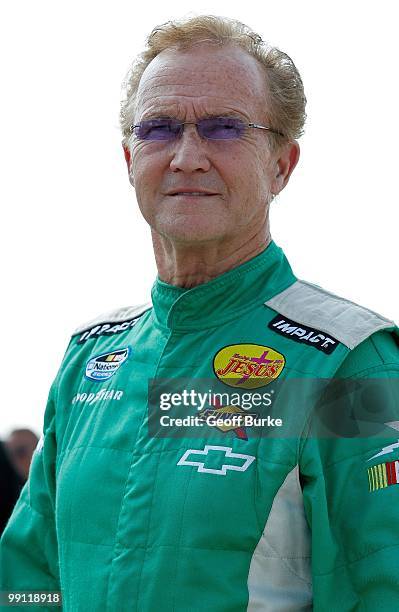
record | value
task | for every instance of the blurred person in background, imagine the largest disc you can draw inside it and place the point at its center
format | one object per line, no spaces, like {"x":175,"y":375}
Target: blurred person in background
{"x":10,"y":487}
{"x":20,"y":446}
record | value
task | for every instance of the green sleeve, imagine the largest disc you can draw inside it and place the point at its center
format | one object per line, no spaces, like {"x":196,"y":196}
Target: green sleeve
{"x":28,"y":547}
{"x":350,"y":502}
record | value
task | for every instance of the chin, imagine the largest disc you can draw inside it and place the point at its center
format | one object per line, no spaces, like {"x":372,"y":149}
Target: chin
{"x":190,"y":231}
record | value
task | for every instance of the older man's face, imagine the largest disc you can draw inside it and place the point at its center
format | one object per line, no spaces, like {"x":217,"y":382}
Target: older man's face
{"x":238,"y":175}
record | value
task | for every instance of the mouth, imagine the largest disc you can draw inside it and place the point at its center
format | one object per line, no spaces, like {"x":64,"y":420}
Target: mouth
{"x":193,"y":194}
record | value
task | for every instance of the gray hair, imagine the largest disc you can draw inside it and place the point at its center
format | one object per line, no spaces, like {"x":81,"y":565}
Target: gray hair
{"x":285,"y":106}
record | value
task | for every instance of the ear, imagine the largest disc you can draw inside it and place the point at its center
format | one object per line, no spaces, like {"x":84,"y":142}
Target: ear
{"x":288,"y":157}
{"x":128,"y":159}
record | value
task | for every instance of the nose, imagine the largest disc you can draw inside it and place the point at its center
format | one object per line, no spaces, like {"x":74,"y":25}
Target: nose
{"x":190,"y":152}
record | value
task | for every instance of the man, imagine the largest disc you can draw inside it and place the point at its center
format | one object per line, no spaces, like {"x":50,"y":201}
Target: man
{"x":21,"y":444}
{"x":10,"y":487}
{"x":130,"y":509}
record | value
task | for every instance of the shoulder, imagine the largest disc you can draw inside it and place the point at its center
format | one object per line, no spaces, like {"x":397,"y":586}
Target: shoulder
{"x":305,"y":304}
{"x":377,"y":355}
{"x":110,"y":323}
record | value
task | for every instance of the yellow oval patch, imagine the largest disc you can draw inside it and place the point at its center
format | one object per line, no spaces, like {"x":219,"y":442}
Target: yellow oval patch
{"x":248,"y":366}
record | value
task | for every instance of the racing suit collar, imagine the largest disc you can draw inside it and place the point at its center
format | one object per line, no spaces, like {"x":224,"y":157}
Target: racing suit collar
{"x":225,"y":297}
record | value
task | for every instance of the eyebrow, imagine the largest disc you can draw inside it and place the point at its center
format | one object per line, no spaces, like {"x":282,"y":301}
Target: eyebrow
{"x":164,"y":115}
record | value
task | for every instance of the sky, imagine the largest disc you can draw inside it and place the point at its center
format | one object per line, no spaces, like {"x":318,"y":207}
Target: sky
{"x":73,"y":244}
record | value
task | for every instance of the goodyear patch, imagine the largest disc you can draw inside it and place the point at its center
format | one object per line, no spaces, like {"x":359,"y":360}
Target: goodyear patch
{"x":104,"y":366}
{"x":248,"y":366}
{"x":383,"y":475}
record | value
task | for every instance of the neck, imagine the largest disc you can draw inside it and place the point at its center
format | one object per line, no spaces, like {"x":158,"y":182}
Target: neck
{"x":188,"y":265}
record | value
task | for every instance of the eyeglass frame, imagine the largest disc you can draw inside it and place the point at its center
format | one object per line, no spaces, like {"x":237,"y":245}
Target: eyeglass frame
{"x":182,"y":123}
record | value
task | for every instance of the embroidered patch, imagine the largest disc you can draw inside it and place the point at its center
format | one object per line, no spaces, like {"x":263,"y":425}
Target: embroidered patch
{"x":248,"y":366}
{"x":386,"y":450}
{"x":102,"y":367}
{"x":221,"y":458}
{"x":383,"y":475}
{"x":107,"y":329}
{"x":302,"y":333}
{"x":101,"y":395}
{"x":226,"y":418}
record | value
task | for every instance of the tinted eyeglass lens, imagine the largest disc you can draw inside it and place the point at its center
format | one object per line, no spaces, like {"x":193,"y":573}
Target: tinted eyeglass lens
{"x":158,"y":129}
{"x":214,"y":128}
{"x":221,"y":128}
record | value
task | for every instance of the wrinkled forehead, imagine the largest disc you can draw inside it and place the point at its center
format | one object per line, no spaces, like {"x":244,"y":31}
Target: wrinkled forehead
{"x":203,"y":73}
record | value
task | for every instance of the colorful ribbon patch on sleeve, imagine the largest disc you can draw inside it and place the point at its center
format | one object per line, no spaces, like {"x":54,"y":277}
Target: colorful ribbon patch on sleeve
{"x":383,"y":475}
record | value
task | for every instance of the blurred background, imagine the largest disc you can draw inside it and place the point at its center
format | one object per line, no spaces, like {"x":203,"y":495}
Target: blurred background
{"x":15,"y":458}
{"x":73,"y":244}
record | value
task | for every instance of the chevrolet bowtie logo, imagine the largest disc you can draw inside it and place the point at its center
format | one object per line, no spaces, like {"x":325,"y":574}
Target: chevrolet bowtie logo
{"x":222,"y":454}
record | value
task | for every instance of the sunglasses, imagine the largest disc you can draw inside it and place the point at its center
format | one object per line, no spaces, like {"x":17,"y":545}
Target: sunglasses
{"x":212,"y":128}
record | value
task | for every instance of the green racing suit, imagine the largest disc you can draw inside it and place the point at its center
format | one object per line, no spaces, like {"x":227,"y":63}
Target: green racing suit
{"x":128,"y":509}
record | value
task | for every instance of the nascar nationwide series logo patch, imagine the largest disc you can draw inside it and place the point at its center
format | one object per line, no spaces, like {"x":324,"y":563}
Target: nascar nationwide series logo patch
{"x":304,"y":334}
{"x":104,"y":366}
{"x":248,"y":366}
